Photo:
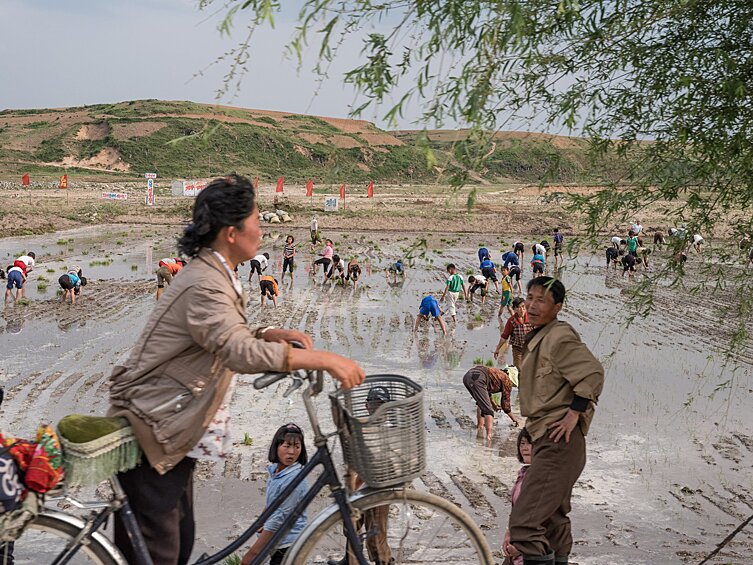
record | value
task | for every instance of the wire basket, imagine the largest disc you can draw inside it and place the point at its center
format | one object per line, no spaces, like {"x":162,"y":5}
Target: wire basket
{"x":382,"y":430}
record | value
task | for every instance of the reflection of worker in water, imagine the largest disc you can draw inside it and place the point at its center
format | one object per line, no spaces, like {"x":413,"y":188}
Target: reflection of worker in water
{"x":481,"y":382}
{"x":428,"y":356}
{"x":167,"y":268}
{"x":374,"y":520}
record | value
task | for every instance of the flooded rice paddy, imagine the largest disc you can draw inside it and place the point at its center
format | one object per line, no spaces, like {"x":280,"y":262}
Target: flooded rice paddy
{"x":670,"y":450}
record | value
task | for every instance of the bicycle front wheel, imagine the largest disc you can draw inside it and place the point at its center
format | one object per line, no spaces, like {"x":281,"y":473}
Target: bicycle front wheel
{"x":46,"y":538}
{"x":421,"y":529}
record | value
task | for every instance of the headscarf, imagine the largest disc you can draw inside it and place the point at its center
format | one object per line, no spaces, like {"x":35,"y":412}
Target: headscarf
{"x":512,"y":372}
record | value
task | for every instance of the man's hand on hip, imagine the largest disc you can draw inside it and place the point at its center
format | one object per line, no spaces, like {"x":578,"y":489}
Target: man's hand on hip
{"x":564,"y":426}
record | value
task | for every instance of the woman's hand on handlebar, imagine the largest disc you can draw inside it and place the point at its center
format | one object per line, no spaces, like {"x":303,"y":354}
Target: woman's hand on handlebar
{"x":283,"y":335}
{"x":345,"y":370}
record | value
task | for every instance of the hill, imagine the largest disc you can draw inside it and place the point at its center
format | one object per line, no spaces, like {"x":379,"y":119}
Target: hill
{"x":186,"y":139}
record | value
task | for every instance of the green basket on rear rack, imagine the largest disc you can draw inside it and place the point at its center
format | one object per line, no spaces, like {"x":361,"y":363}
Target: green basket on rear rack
{"x":95,"y":448}
{"x":382,"y":430}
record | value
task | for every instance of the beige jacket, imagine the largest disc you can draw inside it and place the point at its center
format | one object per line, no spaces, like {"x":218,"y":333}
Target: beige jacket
{"x":177,"y":374}
{"x":557,"y":365}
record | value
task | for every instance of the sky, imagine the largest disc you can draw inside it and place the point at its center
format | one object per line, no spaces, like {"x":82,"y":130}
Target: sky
{"x":59,"y":53}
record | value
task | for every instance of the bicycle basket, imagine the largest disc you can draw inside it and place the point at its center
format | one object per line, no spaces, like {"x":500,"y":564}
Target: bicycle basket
{"x":94,"y":448}
{"x":381,"y":427}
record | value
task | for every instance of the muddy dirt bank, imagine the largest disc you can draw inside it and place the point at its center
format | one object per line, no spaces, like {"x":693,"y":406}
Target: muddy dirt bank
{"x":499,"y":209}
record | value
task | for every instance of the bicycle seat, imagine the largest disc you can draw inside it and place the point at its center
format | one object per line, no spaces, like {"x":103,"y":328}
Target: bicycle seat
{"x":77,"y":428}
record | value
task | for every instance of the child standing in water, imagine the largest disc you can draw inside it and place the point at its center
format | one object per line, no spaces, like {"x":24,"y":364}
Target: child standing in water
{"x":287,"y":456}
{"x":454,"y":285}
{"x":506,"y":301}
{"x":288,"y":257}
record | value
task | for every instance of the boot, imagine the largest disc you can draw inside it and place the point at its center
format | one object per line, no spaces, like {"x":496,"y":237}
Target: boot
{"x":343,"y":561}
{"x":538,"y":559}
{"x":561,"y":560}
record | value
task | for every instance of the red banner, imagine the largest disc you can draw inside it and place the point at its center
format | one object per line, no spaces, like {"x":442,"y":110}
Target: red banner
{"x":64,"y":181}
{"x":256,"y":183}
{"x":370,"y":190}
{"x":342,"y":191}
{"x":310,"y":188}
{"x":279,"y":184}
{"x":25,"y":179}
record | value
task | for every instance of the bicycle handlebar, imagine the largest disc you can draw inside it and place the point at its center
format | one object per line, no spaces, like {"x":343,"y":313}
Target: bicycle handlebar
{"x":268,"y":379}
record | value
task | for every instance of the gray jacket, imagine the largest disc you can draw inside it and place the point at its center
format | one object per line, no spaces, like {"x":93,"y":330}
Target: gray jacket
{"x":178,"y":372}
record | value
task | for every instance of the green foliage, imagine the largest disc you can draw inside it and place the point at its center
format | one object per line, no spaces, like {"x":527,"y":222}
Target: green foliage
{"x":247,"y":439}
{"x":50,"y":150}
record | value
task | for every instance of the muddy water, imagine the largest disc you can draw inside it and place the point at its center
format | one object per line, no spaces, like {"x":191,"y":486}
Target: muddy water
{"x":670,"y":450}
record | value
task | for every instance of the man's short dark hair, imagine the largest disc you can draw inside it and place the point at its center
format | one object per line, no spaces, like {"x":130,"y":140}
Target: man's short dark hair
{"x":516,"y":302}
{"x":451,"y":266}
{"x":549,"y":284}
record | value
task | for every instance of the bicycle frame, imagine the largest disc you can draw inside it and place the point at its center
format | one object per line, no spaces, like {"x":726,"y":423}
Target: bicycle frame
{"x":327,"y":478}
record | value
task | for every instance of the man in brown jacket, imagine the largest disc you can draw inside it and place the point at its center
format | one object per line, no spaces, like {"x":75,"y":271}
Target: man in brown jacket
{"x":560,"y":382}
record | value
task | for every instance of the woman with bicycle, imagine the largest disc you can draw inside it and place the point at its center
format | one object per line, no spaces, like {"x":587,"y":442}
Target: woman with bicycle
{"x":176,"y":385}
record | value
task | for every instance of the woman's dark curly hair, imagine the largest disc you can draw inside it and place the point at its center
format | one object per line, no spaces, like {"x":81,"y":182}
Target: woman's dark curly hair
{"x":226,"y":201}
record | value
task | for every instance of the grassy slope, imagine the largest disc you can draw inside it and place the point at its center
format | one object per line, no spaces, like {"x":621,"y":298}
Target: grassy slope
{"x":196,"y":140}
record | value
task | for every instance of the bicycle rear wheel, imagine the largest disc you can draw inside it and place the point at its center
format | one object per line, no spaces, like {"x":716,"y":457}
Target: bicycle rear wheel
{"x":422,"y":529}
{"x":46,"y":537}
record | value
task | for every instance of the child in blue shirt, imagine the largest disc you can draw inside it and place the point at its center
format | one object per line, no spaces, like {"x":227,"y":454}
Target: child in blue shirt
{"x":287,"y":456}
{"x":71,"y":283}
{"x":429,"y":308}
{"x":538,"y":263}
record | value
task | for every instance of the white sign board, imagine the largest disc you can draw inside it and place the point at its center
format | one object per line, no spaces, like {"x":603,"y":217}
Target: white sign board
{"x":330,"y":203}
{"x":115,"y":196}
{"x":150,"y":183}
{"x":193,"y":187}
{"x":150,"y":175}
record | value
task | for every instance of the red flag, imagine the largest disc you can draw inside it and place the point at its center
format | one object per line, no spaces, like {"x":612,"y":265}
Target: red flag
{"x":310,"y":188}
{"x":370,"y":190}
{"x":25,"y":179}
{"x":64,"y":181}
{"x":279,"y":184}
{"x":342,"y":191}
{"x":256,"y":183}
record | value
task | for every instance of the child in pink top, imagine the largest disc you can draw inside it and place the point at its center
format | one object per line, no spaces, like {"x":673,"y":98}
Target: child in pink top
{"x":525,"y":450}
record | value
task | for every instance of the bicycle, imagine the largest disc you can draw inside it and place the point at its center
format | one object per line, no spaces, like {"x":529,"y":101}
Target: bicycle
{"x":385,"y":448}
